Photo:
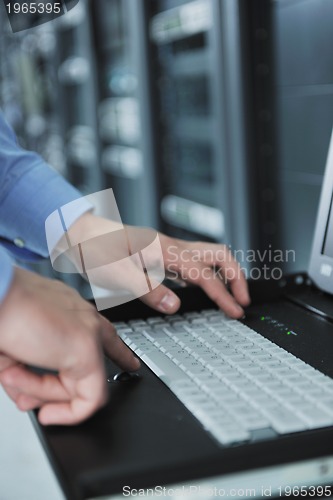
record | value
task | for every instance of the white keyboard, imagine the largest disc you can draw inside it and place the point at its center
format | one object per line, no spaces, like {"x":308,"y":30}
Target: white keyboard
{"x":238,"y":384}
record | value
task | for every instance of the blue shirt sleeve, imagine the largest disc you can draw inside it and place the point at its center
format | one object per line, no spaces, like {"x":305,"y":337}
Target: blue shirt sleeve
{"x":29,"y":192}
{"x":6,"y":273}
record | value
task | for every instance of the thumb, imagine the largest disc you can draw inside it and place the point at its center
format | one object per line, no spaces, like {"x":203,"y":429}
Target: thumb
{"x":162,"y":299}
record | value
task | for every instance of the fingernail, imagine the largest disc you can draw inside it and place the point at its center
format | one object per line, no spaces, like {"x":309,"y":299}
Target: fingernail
{"x":43,"y":420}
{"x":168,"y":302}
{"x":240,"y":310}
{"x":137,"y":363}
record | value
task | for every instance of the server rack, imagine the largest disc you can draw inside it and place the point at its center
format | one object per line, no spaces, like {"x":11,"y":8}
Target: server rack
{"x":261,"y":131}
{"x":29,"y":90}
{"x":201,"y":87}
{"x":124,"y":108}
{"x":78,"y":97}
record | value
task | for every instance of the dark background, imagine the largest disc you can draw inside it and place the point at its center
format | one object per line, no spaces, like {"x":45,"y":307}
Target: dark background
{"x":210,"y":119}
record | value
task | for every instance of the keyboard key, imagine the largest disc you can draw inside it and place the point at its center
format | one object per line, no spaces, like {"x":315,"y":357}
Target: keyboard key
{"x":227,"y":435}
{"x":163,"y":367}
{"x":316,"y":417}
{"x":254,"y":423}
{"x":284,"y":420}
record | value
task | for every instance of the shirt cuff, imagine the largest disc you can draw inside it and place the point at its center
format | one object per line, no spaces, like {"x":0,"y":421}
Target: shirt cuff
{"x":6,"y":273}
{"x":39,"y":193}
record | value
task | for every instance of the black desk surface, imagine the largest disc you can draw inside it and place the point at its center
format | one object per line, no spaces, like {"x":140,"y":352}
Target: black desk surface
{"x":144,"y":436}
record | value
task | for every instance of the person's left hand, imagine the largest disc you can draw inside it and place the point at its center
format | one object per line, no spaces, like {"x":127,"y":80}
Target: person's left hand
{"x":56,"y":329}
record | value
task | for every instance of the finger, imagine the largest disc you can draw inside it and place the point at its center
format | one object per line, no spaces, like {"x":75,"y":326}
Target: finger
{"x":42,"y":387}
{"x":91,"y":394}
{"x":6,"y":362}
{"x":127,"y":274}
{"x":218,"y":255}
{"x":212,"y":285}
{"x":159,"y":297}
{"x":66,"y":413}
{"x":217,"y":292}
{"x":22,"y":401}
{"x":11,"y":392}
{"x":116,"y":349}
{"x":162,"y":299}
{"x":235,"y":277}
{"x":27,"y":403}
{"x":240,"y":289}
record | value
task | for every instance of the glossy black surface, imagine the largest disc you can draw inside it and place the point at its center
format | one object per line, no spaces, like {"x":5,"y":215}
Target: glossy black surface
{"x":125,"y":377}
{"x":144,"y":436}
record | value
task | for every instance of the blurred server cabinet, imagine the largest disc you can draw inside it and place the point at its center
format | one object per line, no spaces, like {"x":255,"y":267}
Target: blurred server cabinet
{"x":304,"y":91}
{"x":199,"y":76}
{"x":29,"y":91}
{"x":125,"y":107}
{"x":77,"y":72}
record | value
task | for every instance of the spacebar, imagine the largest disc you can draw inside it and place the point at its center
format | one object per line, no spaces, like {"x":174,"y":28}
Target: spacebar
{"x":164,"y":368}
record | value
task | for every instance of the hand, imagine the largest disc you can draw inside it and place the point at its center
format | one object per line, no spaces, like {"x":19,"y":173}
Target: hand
{"x":45,"y":323}
{"x":208,"y":265}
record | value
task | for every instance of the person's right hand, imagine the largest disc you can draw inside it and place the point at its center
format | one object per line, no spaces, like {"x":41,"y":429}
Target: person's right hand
{"x":105,"y":246}
{"x":46,"y":324}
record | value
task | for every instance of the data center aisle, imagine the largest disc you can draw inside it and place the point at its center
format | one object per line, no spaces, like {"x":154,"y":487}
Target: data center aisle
{"x":24,"y":471}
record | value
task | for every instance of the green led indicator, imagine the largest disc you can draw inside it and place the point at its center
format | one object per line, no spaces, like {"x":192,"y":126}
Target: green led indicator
{"x":288,"y":333}
{"x":262,"y":318}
